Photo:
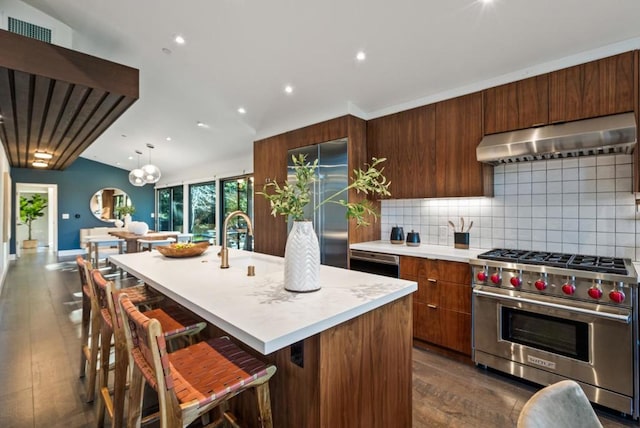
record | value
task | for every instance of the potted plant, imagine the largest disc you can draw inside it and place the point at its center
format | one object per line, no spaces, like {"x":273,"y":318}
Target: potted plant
{"x":302,"y":253}
{"x":31,"y":209}
{"x":126,"y":211}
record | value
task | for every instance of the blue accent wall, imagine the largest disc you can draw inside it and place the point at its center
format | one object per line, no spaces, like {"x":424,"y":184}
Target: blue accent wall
{"x":76,"y":186}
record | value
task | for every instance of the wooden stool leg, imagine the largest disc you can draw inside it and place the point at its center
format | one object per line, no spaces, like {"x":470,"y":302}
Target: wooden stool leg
{"x":93,"y":356}
{"x":103,"y":386}
{"x":84,"y":337}
{"x":136,"y":394}
{"x":264,"y":405}
{"x":120,"y":383}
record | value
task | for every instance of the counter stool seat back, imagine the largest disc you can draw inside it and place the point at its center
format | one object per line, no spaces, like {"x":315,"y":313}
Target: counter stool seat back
{"x":174,"y":321}
{"x":191,"y":381}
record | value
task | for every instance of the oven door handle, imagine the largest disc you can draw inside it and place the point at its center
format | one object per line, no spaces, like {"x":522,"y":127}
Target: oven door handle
{"x":614,"y":317}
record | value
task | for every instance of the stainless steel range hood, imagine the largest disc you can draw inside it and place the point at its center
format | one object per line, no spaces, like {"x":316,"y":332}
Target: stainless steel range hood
{"x":607,"y":134}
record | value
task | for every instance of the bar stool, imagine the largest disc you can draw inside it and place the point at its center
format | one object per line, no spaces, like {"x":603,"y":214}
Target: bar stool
{"x":86,"y":313}
{"x":140,"y":294}
{"x":176,"y":322}
{"x":148,"y":244}
{"x":191,"y":381}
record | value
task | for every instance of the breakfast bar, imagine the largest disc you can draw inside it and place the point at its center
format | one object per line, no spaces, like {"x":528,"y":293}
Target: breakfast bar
{"x":343,"y":353}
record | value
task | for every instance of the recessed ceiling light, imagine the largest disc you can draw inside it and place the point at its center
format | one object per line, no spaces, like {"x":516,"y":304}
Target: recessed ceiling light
{"x":486,"y":1}
{"x":39,"y":164}
{"x":361,"y":56}
{"x":241,"y":110}
{"x":201,"y":125}
{"x":130,"y":158}
{"x":179,"y":39}
{"x":42,"y":155}
{"x":288,"y":89}
{"x":168,"y":138}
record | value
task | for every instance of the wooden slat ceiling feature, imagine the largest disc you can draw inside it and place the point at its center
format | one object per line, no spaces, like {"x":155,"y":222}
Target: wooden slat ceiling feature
{"x":56,"y":100}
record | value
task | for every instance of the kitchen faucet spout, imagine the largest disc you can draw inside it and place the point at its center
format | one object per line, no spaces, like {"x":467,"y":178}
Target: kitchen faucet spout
{"x":224,"y":252}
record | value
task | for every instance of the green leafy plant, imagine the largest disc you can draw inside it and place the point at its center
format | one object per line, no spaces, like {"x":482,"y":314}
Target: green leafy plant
{"x":289,"y":199}
{"x":31,"y":209}
{"x":126,"y":209}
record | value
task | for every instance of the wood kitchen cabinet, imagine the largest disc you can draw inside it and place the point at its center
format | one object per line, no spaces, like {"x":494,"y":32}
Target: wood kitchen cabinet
{"x":593,"y":89}
{"x":442,"y":304}
{"x":431,"y":150}
{"x":458,"y":133}
{"x":269,"y":164}
{"x":518,"y":105}
{"x":407,"y":141}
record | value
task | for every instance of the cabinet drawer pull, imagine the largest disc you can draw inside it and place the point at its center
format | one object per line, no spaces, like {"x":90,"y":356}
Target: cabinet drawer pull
{"x":432,"y":280}
{"x":429,"y":305}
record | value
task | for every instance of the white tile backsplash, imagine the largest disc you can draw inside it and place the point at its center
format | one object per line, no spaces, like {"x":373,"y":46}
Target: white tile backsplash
{"x":580,"y":205}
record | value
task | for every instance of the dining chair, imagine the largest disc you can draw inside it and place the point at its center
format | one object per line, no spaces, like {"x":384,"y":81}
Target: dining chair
{"x":175,"y":322}
{"x":192,"y":381}
{"x":184,"y":237}
{"x":560,"y":405}
{"x":107,"y":243}
{"x":140,"y":294}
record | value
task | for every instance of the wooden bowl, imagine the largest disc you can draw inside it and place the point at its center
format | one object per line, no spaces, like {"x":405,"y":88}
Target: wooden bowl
{"x":191,"y":250}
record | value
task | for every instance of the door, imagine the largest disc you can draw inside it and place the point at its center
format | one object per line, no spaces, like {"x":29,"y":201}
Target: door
{"x":237,"y":195}
{"x":45,"y":228}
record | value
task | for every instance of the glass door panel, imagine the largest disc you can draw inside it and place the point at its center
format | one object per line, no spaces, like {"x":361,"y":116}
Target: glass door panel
{"x":237,"y":194}
{"x":202,"y":197}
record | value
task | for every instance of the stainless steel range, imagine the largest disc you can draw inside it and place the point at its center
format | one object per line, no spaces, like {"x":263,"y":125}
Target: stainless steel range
{"x":550,"y":316}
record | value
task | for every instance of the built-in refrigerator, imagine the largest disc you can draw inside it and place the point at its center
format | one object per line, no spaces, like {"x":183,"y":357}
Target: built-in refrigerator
{"x":329,"y":220}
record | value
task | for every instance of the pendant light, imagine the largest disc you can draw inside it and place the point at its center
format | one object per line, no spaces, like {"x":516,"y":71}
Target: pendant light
{"x":135,"y":176}
{"x":151,"y":173}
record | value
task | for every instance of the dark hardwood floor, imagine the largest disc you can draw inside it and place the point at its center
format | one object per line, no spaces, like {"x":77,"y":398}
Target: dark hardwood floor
{"x":39,"y":357}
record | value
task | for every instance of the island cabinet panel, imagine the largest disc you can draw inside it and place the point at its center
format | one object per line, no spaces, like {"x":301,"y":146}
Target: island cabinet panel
{"x":596,"y":88}
{"x":357,"y":374}
{"x":518,"y":105}
{"x":269,"y":164}
{"x":458,"y":133}
{"x":442,"y":304}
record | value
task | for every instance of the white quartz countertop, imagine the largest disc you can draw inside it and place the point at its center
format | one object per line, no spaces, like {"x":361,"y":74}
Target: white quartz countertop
{"x":440,"y":252}
{"x":258,"y":310}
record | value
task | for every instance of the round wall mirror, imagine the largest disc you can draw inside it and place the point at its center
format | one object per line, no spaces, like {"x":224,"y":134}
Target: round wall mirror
{"x":106,"y":204}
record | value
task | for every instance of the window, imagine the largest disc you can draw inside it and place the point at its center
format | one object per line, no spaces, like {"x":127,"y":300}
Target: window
{"x":170,"y":208}
{"x":202,"y":218}
{"x":237,"y":194}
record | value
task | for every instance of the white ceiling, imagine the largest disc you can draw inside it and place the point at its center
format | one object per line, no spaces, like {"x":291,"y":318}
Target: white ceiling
{"x":243,"y":53}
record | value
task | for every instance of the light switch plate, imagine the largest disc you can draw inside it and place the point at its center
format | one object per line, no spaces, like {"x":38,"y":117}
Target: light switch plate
{"x":65,"y":216}
{"x":153,"y":215}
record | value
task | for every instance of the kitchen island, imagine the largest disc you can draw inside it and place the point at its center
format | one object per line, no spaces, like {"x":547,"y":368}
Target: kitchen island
{"x":343,"y":353}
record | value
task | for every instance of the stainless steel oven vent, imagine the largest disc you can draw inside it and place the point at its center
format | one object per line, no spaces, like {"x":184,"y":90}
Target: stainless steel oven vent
{"x":602,"y":135}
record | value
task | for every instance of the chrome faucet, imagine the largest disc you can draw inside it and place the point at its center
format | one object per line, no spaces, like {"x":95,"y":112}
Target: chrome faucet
{"x":224,"y":251}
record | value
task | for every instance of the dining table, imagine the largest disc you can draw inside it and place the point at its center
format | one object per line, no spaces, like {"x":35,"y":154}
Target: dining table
{"x":132,"y":239}
{"x":342,"y":353}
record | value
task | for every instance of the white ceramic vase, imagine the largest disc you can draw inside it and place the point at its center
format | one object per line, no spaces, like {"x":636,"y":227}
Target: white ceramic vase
{"x":127,"y":220}
{"x":302,"y":259}
{"x":138,"y":227}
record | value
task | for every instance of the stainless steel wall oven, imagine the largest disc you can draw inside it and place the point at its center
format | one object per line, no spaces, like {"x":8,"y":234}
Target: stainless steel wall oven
{"x":547,"y":317}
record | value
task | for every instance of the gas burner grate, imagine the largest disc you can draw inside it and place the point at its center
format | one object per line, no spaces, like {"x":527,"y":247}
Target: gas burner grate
{"x":614,"y":265}
{"x":598,"y":264}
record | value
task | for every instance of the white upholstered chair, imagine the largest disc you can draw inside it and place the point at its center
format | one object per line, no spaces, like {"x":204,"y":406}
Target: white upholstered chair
{"x":560,"y":405}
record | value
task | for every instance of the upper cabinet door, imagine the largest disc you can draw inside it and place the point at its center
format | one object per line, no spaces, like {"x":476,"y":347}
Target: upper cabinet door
{"x":597,"y":88}
{"x":517,"y":105}
{"x":416,"y":151}
{"x":382,"y":142}
{"x":458,"y":133}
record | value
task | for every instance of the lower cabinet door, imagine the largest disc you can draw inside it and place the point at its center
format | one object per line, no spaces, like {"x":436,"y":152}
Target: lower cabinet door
{"x":455,"y":331}
{"x":426,"y":323}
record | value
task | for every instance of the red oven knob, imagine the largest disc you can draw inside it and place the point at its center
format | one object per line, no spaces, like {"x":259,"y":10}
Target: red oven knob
{"x":568,"y":288}
{"x":482,"y":276}
{"x":616,"y":296}
{"x":541,"y":285}
{"x":495,"y":278}
{"x":595,"y":292}
{"x":516,"y":281}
